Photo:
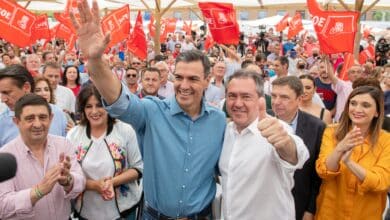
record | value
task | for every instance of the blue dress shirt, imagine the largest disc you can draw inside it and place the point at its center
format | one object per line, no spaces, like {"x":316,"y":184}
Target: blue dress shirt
{"x":180,"y":154}
{"x":9,"y":130}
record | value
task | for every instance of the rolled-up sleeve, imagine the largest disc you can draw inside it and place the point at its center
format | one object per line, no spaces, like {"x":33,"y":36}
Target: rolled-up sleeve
{"x":301,"y":151}
{"x":302,"y":155}
{"x":327,"y":146}
{"x":14,"y":204}
{"x":378,"y":176}
{"x":128,"y":108}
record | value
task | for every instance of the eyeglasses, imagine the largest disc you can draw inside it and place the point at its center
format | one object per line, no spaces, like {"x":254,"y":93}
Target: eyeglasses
{"x":178,"y":47}
{"x":136,"y":63}
{"x":131,"y":75}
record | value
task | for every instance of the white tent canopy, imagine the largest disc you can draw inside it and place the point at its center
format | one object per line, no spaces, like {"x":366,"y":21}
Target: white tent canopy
{"x":59,"y":5}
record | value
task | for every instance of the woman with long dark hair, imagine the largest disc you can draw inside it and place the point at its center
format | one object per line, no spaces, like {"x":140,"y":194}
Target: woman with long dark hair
{"x":110,"y":158}
{"x":71,"y":79}
{"x":354,"y":161}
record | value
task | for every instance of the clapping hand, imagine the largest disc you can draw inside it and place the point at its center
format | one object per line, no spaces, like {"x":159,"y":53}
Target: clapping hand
{"x":65,"y":165}
{"x":351,"y":140}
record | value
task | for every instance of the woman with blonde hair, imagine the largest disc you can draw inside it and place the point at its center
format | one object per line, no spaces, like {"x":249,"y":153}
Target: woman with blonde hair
{"x":354,"y":160}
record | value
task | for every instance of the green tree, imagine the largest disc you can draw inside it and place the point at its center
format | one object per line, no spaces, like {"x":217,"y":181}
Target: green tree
{"x":387,"y":16}
{"x":377,"y":16}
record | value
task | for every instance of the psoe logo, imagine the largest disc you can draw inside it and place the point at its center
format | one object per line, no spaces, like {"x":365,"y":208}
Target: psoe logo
{"x":338,"y":28}
{"x":336,"y":25}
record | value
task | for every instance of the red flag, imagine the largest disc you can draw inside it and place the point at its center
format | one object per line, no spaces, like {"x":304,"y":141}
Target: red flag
{"x":65,"y":20}
{"x":167,"y":26}
{"x":65,"y":30}
{"x":366,"y":32}
{"x":187,"y":27}
{"x":335,"y":29}
{"x":65,"y":33}
{"x":151,"y":26}
{"x":16,"y":23}
{"x":41,"y":28}
{"x":118,"y":23}
{"x":222,"y":22}
{"x":71,"y":6}
{"x":295,"y":26}
{"x":209,"y":42}
{"x":137,"y":42}
{"x":282,"y":24}
{"x":348,"y":62}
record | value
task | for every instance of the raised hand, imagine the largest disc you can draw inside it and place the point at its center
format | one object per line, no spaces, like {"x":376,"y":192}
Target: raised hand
{"x":92,"y":42}
{"x":273,"y":130}
{"x":351,"y":140}
{"x":65,"y":165}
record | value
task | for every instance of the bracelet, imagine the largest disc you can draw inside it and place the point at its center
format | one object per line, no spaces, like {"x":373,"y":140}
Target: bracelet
{"x":38,"y":192}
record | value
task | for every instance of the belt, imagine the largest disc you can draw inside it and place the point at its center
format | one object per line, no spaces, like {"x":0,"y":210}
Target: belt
{"x":202,"y":215}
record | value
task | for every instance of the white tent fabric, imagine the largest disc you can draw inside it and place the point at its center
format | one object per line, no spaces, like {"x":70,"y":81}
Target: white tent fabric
{"x":137,"y":4}
{"x":59,"y":5}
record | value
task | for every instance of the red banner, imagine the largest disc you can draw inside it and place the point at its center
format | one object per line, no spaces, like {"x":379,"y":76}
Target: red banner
{"x":187,"y":27}
{"x":151,"y":26}
{"x":222,"y":22}
{"x":335,"y":29}
{"x":118,"y":23}
{"x":41,"y":28}
{"x":137,"y":43}
{"x":168,"y":26}
{"x":71,"y":6}
{"x":65,"y":30}
{"x":282,"y":24}
{"x":16,"y":23}
{"x":209,"y":42}
{"x":295,"y":26}
{"x":65,"y":33}
{"x":348,"y":62}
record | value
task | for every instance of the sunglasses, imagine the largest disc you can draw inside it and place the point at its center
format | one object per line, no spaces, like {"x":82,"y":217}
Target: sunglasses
{"x":131,"y":75}
{"x":136,"y":63}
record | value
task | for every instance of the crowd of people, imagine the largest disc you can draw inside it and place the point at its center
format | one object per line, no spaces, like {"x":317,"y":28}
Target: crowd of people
{"x":107,"y":135}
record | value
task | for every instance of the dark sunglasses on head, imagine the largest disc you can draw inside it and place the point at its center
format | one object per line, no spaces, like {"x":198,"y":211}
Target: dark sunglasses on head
{"x":131,"y":75}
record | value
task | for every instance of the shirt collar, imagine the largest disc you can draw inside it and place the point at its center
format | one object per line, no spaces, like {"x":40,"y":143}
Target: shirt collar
{"x":27,"y":150}
{"x":294,"y":122}
{"x":176,"y":109}
{"x":252,"y":127}
{"x":9,"y":112}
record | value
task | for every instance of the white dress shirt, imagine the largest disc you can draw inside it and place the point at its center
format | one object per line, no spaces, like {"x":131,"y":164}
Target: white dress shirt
{"x":256,"y":182}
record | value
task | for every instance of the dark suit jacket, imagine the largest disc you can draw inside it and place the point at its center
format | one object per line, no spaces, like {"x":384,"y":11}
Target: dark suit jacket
{"x":307,"y":182}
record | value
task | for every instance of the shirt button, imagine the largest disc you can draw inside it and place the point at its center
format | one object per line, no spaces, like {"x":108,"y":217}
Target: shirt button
{"x":191,"y":138}
{"x":186,"y":170}
{"x":180,"y":201}
{"x":183,"y":186}
{"x":189,"y":154}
